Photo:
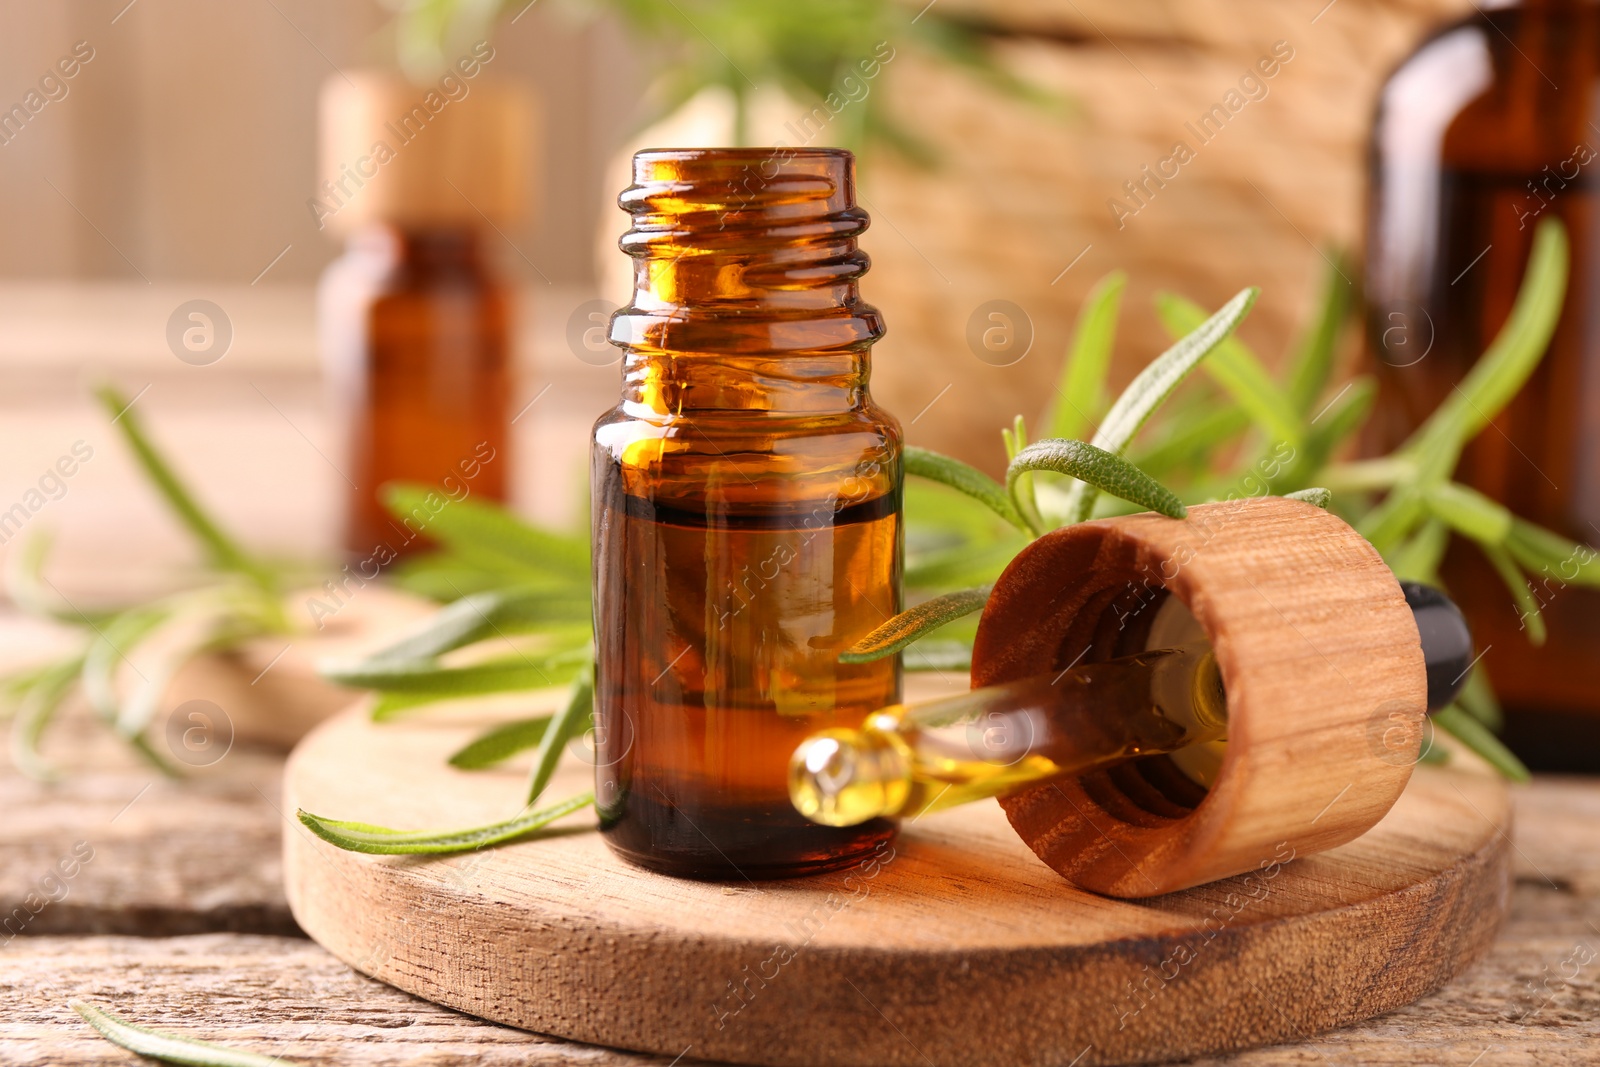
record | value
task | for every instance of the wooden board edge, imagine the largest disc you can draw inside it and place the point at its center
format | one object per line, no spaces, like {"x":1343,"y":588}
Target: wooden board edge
{"x":578,"y":972}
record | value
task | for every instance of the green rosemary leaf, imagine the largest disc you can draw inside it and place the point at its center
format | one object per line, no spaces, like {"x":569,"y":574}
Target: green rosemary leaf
{"x":963,"y":566}
{"x":1316,"y":495}
{"x":1469,"y":512}
{"x":1417,"y":559}
{"x":1511,"y":357}
{"x":486,"y":533}
{"x":1471,"y":732}
{"x":1527,"y":604}
{"x":1152,"y":386}
{"x":915,"y":623}
{"x":444,"y":576}
{"x":479,"y":615}
{"x":381,"y":841}
{"x":167,"y":1047}
{"x":1341,"y":417}
{"x":1238,"y":370}
{"x":15,"y":684}
{"x":441,"y":683}
{"x":963,"y":478}
{"x":932,"y":654}
{"x":574,"y":718}
{"x":1312,"y":364}
{"x":1080,"y":393}
{"x":1369,"y":475}
{"x":1392,"y":521}
{"x":150,"y":691}
{"x":1432,"y":754}
{"x":223,"y":550}
{"x":500,"y":744}
{"x":1188,"y":442}
{"x":940,"y":516}
{"x":1478,"y":700}
{"x":1094,"y":466}
{"x":1549,"y":554}
{"x":389,"y":706}
{"x":37,"y":706}
{"x":25,"y":583}
{"x":109,"y":650}
{"x":1241,"y":375}
{"x":1014,"y":437}
{"x":1021,"y":490}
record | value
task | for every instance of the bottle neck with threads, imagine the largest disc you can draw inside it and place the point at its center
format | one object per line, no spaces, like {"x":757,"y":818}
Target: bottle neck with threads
{"x":746,"y":270}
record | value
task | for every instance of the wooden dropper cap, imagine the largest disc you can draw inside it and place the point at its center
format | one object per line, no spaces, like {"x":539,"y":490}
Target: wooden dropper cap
{"x":1319,"y":655}
{"x":446,"y":153}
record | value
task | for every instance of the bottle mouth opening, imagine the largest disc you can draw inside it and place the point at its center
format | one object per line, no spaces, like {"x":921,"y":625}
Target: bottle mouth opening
{"x":793,"y":183}
{"x":743,"y":154}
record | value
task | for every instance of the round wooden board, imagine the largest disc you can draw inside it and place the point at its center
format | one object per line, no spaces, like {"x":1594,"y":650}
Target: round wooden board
{"x":955,"y":946}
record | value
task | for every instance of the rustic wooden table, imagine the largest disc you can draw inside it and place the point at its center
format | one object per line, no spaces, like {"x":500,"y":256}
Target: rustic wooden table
{"x":177,"y":919}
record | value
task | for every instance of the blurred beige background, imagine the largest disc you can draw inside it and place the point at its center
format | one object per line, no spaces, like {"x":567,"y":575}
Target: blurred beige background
{"x":188,"y":143}
{"x":179,"y":164}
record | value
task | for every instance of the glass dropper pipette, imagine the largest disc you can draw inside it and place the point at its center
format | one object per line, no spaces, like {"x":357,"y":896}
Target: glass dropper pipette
{"x":908,"y":759}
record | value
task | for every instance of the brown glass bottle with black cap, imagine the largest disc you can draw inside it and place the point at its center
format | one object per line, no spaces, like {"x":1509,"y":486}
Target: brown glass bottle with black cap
{"x":747,"y":523}
{"x":1489,"y":127}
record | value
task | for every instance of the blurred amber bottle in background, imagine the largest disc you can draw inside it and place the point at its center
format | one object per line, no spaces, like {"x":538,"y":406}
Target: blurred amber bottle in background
{"x":414,"y":324}
{"x":1490,"y":126}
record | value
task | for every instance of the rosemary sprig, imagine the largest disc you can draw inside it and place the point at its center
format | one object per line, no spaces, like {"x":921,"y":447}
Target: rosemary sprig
{"x":911,"y":625}
{"x":169,"y":1048}
{"x":528,"y":588}
{"x":549,"y":734}
{"x":379,"y":840}
{"x":1082,"y":385}
{"x":224,"y":550}
{"x":808,"y":51}
{"x":238,"y":598}
{"x":1092,"y":468}
{"x":1287,"y":433}
{"x":1291,"y":455}
{"x":500,"y":743}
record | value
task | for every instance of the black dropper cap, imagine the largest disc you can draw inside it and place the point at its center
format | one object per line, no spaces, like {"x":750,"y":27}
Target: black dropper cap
{"x":1446,"y":641}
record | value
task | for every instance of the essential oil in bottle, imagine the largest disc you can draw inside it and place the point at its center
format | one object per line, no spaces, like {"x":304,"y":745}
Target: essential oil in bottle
{"x":747,"y":525}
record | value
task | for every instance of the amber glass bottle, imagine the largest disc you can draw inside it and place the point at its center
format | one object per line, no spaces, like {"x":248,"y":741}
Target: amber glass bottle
{"x":747,"y":522}
{"x":414,"y":323}
{"x":416,"y":330}
{"x":1491,"y":125}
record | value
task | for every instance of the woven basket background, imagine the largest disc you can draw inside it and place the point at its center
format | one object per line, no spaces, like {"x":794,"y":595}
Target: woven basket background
{"x":1020,"y":193}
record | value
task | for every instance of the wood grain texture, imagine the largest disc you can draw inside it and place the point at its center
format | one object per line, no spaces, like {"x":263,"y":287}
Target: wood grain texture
{"x":164,"y":857}
{"x":271,"y":995}
{"x":897,"y":962}
{"x":1317,"y":650}
{"x":1522,"y":1003}
{"x":290,"y":997}
{"x":153,"y":855}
